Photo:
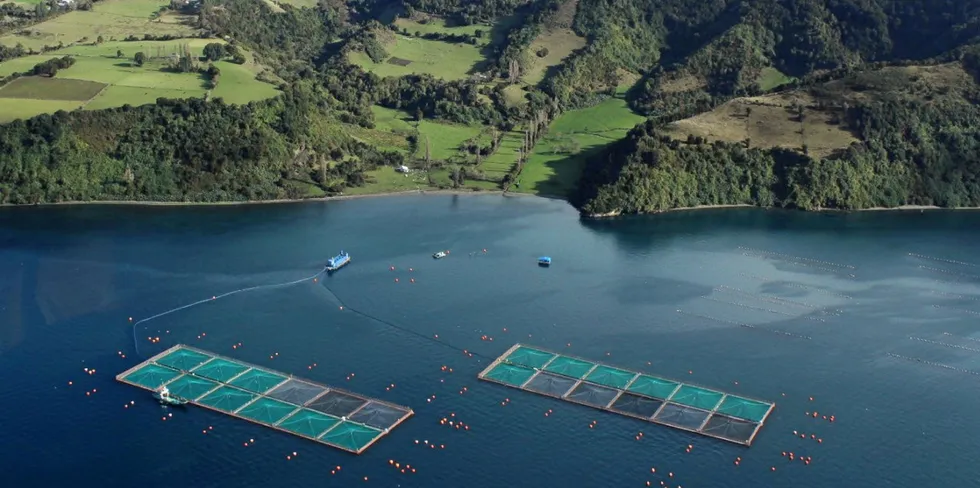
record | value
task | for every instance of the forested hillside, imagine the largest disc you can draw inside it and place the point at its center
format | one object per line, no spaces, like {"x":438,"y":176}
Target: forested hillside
{"x":798,"y":103}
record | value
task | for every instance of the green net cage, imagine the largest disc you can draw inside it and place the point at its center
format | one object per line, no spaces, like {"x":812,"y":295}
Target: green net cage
{"x":571,"y":367}
{"x":531,"y":358}
{"x":267,"y":411}
{"x":653,"y":387}
{"x":509,"y":374}
{"x":257,"y":380}
{"x":227,"y":399}
{"x":350,"y":436}
{"x":696,"y":397}
{"x":184,"y":359}
{"x":191,"y":387}
{"x":608,"y":376}
{"x":152,"y":376}
{"x":220,"y":370}
{"x":308,"y":423}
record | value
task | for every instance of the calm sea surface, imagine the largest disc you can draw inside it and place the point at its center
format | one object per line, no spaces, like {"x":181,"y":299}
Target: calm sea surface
{"x":842,"y":307}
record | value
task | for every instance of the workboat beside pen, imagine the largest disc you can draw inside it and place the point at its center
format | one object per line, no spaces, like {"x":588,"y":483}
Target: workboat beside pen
{"x":338,"y":261}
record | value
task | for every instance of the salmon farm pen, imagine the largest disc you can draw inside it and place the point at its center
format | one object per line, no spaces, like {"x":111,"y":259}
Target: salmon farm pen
{"x":673,"y":403}
{"x":324,"y":414}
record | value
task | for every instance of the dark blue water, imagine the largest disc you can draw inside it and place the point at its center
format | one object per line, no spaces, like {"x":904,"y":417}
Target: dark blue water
{"x":839,"y":310}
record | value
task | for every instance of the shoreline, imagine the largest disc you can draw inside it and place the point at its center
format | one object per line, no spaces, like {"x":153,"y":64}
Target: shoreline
{"x":613,"y":214}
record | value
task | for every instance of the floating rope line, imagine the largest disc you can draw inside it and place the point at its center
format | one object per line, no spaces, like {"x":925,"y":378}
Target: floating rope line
{"x":944,"y":344}
{"x":961,"y":337}
{"x":932,"y":363}
{"x":943,"y":260}
{"x":954,"y":295}
{"x":776,"y":300}
{"x":747,"y":326}
{"x":794,"y":285}
{"x":760,"y":309}
{"x":216,"y":297}
{"x":949,"y":272}
{"x":789,"y":257}
{"x":961,"y":310}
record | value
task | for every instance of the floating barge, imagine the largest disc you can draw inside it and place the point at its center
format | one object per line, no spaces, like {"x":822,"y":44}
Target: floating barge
{"x":663,"y":401}
{"x":338,"y":261}
{"x":320,"y":413}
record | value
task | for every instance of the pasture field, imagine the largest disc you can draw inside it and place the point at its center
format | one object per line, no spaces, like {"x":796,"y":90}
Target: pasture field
{"x":444,"y":139}
{"x":387,"y":180}
{"x":54,"y":89}
{"x":110,"y":19}
{"x":560,"y":43}
{"x":414,"y":55}
{"x":505,"y":157}
{"x":556,"y":162}
{"x":18,"y":108}
{"x":120,"y":82}
{"x":771,"y":78}
{"x":771,"y":123}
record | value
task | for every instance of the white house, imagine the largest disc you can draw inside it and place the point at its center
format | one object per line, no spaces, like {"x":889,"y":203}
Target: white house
{"x":402,"y":169}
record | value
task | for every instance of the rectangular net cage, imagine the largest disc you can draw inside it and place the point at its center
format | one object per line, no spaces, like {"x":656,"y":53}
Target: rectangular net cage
{"x":320,"y":413}
{"x":643,"y":396}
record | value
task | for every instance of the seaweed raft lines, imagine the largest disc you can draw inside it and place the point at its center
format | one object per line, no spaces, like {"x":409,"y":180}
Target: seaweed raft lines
{"x":663,"y":401}
{"x":324,"y":414}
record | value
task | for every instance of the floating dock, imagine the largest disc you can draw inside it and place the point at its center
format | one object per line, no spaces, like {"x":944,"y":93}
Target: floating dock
{"x":321,"y":413}
{"x":663,"y":401}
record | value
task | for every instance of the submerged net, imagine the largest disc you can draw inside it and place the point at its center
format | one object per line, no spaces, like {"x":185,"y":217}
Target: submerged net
{"x":227,"y":399}
{"x":267,"y":410}
{"x":308,"y":423}
{"x":616,"y":378}
{"x":151,"y":376}
{"x":532,"y":358}
{"x":337,"y":404}
{"x":693,"y":396}
{"x":653,"y":387}
{"x":258,"y":380}
{"x":550,"y":384}
{"x":509,"y":374}
{"x":637,"y":405}
{"x":184,"y":359}
{"x":744,"y":408}
{"x":682,"y":416}
{"x":350,"y":436}
{"x":296,"y":392}
{"x":378,"y":415}
{"x":190,"y":386}
{"x":220,"y":370}
{"x":736,"y":430}
{"x":566,"y":366}
{"x":594,"y":395}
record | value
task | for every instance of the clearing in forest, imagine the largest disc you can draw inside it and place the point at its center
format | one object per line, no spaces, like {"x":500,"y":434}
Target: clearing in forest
{"x":549,"y":49}
{"x":111,"y":19}
{"x":413,"y":55}
{"x":557,"y":160}
{"x":769,"y":121}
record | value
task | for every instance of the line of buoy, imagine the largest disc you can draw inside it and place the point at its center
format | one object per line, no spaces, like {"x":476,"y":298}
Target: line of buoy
{"x":933,"y":363}
{"x":943,"y":260}
{"x":760,"y":309}
{"x":794,"y":285}
{"x":944,"y":344}
{"x":747,"y":326}
{"x":961,"y":310}
{"x":777,"y":300}
{"x":950,"y":272}
{"x":797,"y":258}
{"x":961,"y":337}
{"x":954,"y":295}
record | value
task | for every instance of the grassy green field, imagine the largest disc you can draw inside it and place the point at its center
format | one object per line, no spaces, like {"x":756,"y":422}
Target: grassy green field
{"x":387,"y":180}
{"x":444,"y":139}
{"x":505,"y":157}
{"x":109,"y":19}
{"x":552,"y":171}
{"x":54,"y":89}
{"x":560,"y":43}
{"x":771,"y":78}
{"x":127,"y":84}
{"x":18,"y":108}
{"x":440,"y":59}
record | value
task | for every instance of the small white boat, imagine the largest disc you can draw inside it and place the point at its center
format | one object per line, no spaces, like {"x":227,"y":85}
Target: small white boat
{"x":440,"y":254}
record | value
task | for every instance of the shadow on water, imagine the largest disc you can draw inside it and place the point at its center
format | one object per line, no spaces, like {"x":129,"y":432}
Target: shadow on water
{"x":657,"y":291}
{"x":644,"y":232}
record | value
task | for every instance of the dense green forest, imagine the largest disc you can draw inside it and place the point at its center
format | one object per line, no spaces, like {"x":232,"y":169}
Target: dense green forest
{"x":909,"y":137}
